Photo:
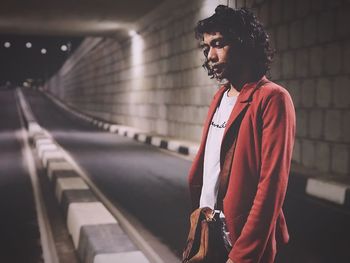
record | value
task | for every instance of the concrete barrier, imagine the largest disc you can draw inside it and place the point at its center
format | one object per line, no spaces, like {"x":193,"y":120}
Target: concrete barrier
{"x":96,"y":233}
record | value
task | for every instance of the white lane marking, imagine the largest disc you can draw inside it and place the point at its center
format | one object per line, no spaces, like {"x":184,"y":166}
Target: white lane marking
{"x":326,"y":190}
{"x":72,"y":183}
{"x":46,"y":237}
{"x":81,"y":214}
{"x":124,"y":257}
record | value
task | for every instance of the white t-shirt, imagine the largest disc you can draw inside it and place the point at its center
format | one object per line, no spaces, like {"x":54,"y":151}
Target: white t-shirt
{"x":212,"y":151}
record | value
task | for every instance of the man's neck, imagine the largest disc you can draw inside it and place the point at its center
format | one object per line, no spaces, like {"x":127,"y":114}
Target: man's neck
{"x":232,"y":91}
{"x":237,"y":85}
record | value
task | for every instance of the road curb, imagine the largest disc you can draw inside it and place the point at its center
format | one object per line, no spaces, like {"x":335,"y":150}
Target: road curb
{"x":331,"y":191}
{"x":171,"y":144}
{"x":97,"y":235}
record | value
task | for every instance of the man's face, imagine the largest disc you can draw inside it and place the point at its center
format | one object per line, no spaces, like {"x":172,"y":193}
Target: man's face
{"x":223,"y":59}
{"x":217,"y":50}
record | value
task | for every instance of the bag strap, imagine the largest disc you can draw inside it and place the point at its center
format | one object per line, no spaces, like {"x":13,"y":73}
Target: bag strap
{"x":225,"y":171}
{"x":195,"y":219}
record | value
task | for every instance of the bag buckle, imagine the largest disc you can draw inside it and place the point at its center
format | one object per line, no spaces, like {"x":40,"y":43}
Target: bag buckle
{"x":209,"y":214}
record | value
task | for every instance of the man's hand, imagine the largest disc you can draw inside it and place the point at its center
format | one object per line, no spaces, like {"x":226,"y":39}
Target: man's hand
{"x":229,"y":261}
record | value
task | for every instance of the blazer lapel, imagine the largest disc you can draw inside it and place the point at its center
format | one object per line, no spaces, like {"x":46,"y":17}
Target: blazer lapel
{"x":243,"y":99}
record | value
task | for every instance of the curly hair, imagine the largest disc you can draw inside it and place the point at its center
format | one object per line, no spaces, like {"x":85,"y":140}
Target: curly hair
{"x":242,"y":29}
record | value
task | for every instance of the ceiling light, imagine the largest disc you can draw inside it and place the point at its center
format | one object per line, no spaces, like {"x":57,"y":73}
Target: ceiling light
{"x":64,"y":48}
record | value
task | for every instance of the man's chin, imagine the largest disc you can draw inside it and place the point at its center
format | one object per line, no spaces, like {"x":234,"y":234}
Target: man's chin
{"x":222,"y":80}
{"x":220,"y":77}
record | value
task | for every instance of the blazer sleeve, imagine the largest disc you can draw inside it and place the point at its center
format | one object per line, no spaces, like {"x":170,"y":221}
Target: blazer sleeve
{"x":278,"y":132}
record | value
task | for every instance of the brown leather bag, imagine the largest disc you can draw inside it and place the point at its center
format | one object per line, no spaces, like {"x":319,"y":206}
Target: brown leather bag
{"x":205,"y":242}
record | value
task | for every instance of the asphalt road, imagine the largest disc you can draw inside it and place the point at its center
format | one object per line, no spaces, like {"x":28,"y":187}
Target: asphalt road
{"x":147,"y":183}
{"x":151,"y":185}
{"x":19,"y":233}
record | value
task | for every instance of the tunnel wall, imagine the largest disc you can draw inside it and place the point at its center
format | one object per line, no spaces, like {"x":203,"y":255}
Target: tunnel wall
{"x":153,"y":80}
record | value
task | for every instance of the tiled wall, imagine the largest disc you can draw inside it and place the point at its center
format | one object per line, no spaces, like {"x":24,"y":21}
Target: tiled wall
{"x":313,"y":62}
{"x":154,"y":79}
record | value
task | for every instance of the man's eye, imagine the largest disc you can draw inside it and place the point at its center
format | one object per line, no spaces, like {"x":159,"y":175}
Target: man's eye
{"x":205,"y":51}
{"x":218,"y":44}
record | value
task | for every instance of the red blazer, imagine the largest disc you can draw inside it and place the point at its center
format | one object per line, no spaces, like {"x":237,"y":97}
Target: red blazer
{"x":259,"y":172}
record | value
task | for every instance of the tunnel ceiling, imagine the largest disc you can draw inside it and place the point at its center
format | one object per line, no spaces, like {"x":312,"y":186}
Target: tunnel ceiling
{"x":51,"y":23}
{"x":71,"y":17}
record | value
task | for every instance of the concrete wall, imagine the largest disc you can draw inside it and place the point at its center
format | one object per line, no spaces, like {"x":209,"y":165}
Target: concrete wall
{"x":154,"y":80}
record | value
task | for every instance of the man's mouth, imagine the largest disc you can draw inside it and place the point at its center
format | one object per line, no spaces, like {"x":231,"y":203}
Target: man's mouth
{"x":218,"y":69}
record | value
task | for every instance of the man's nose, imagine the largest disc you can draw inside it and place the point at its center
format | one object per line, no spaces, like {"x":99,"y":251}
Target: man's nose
{"x":212,"y":55}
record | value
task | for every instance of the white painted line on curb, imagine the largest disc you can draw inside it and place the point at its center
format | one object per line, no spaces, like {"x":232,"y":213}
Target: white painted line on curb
{"x":58,"y":166}
{"x":113,"y":128}
{"x":81,"y":214}
{"x":122,"y":130}
{"x":130,"y":230}
{"x":156,"y":141}
{"x":73,"y":183}
{"x":41,"y":141}
{"x":124,"y":257}
{"x":51,"y":155}
{"x":33,"y":127}
{"x":173,"y":145}
{"x":46,"y":147}
{"x":141,"y":137}
{"x":326,"y":190}
{"x":130,"y":134}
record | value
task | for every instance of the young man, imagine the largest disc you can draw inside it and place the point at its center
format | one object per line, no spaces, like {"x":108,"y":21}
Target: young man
{"x":237,"y":52}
